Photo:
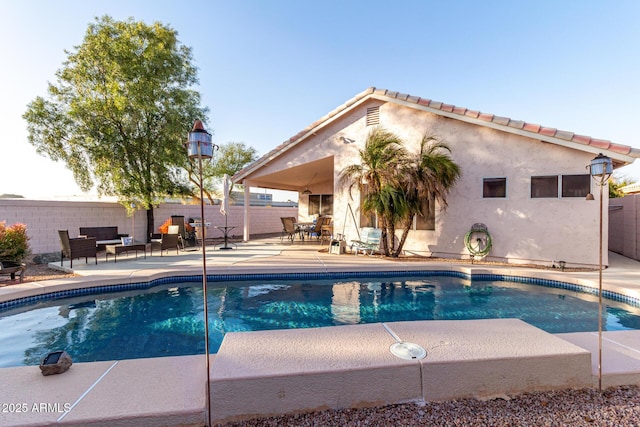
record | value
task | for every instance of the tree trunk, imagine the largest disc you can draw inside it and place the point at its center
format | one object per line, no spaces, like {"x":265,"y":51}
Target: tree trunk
{"x":405,"y":233}
{"x":392,"y":236}
{"x":149,"y":223}
{"x":385,"y":243}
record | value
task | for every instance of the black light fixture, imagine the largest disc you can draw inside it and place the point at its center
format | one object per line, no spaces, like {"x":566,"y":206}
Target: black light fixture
{"x":199,"y":146}
{"x":306,"y":190}
{"x":600,"y":169}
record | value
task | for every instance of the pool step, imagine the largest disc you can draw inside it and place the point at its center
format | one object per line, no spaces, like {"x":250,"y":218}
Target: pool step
{"x":266,"y":373}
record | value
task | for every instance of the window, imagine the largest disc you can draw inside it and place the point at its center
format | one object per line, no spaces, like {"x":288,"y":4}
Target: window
{"x":494,"y":187}
{"x":544,"y":186}
{"x":367,"y":220}
{"x":576,"y":185}
{"x":427,"y":221}
{"x":321,"y":204}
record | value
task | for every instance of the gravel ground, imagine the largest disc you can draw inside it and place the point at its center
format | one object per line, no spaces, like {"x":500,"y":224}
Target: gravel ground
{"x":618,"y":406}
{"x":36,"y":273}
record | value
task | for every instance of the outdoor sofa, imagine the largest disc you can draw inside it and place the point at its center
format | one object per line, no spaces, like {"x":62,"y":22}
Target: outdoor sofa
{"x":104,"y":235}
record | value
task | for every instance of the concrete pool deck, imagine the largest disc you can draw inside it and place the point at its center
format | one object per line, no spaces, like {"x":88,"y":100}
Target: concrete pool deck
{"x":300,"y":370}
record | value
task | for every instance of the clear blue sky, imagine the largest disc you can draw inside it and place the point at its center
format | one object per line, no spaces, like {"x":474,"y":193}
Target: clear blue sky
{"x":268,"y":69}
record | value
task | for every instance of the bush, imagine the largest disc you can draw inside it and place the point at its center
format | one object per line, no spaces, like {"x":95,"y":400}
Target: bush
{"x":14,"y":242}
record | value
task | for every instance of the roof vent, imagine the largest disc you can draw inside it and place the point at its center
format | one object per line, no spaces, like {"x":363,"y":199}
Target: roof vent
{"x":373,"y":116}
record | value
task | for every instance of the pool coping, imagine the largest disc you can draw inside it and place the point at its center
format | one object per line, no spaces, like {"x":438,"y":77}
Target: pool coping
{"x":622,"y":348}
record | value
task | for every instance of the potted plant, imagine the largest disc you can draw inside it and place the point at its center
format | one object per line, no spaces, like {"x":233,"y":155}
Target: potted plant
{"x":14,"y":248}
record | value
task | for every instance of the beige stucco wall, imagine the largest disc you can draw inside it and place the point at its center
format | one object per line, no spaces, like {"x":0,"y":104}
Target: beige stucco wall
{"x":624,"y":226}
{"x":45,"y":218}
{"x":523,"y":229}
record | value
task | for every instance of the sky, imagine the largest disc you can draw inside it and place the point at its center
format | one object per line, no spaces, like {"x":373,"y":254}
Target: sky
{"x":269,"y":68}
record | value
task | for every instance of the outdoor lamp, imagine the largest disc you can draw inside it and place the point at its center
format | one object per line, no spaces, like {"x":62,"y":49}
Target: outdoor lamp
{"x":600,"y":169}
{"x":199,"y":143}
{"x":199,"y":146}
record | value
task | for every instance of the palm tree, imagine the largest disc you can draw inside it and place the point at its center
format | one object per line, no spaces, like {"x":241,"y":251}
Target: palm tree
{"x":428,"y":177}
{"x":375,"y":177}
{"x":396,"y":186}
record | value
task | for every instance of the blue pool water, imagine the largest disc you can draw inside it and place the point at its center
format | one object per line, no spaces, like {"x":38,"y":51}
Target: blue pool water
{"x":167,"y":320}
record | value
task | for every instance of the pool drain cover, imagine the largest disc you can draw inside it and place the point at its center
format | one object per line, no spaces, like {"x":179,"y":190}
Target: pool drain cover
{"x":408,"y":350}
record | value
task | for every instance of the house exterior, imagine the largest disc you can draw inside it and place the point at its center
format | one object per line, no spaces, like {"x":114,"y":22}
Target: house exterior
{"x":527,"y":183}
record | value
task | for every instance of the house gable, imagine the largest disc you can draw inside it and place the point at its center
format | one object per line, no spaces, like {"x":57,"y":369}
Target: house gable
{"x":620,"y":154}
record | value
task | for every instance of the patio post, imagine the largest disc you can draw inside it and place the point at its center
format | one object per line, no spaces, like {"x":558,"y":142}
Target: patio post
{"x":199,"y":146}
{"x":600,"y":169}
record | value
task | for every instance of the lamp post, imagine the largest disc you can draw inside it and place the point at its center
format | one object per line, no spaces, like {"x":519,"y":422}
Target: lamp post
{"x":199,"y":146}
{"x":600,"y":169}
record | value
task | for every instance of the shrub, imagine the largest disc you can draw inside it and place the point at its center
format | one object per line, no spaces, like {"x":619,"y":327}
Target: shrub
{"x":14,"y":242}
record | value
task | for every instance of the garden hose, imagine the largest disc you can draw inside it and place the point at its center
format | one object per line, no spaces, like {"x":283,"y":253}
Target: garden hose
{"x":480,"y":237}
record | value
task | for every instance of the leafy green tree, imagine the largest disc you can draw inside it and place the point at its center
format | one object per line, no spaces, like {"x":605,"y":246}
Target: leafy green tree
{"x":119,"y":112}
{"x":615,"y":186}
{"x":229,"y":159}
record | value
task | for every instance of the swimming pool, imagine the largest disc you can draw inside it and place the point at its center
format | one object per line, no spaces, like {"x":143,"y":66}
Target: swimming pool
{"x":165,"y":318}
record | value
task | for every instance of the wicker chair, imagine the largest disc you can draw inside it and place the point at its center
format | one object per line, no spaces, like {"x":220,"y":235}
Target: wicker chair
{"x":166,"y":241}
{"x":77,"y":247}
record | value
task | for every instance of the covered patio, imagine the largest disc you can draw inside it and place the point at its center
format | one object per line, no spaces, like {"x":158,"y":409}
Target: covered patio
{"x":312,"y":180}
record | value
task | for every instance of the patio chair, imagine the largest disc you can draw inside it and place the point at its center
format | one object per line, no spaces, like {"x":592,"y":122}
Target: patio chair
{"x":370,"y":241}
{"x":288,"y":228}
{"x":185,"y":239}
{"x":316,"y":231}
{"x":77,"y":247}
{"x":166,"y":241}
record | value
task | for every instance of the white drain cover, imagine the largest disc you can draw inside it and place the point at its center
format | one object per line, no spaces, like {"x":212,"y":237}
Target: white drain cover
{"x":408,"y":350}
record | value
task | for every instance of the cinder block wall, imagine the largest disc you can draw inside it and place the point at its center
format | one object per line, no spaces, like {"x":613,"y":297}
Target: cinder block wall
{"x":44,"y":218}
{"x":624,"y":226}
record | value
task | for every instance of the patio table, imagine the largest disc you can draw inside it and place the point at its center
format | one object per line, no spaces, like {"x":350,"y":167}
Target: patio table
{"x":118,"y":249}
{"x":225,"y":230}
{"x":303,"y":227}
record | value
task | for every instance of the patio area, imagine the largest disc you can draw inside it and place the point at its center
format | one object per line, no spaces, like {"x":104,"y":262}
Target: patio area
{"x":300,"y":370}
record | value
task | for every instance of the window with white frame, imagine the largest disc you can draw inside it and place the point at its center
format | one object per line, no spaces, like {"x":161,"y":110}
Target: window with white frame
{"x":494,"y":188}
{"x":544,"y":186}
{"x":576,"y":185}
{"x":427,"y":221}
{"x":551,"y":186}
{"x":321,"y":204}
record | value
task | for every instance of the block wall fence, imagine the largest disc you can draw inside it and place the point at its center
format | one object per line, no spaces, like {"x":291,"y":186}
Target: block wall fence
{"x":44,"y":218}
{"x":624,"y":226}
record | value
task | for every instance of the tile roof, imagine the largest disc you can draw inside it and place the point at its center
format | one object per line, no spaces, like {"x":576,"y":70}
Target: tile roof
{"x":507,"y":124}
